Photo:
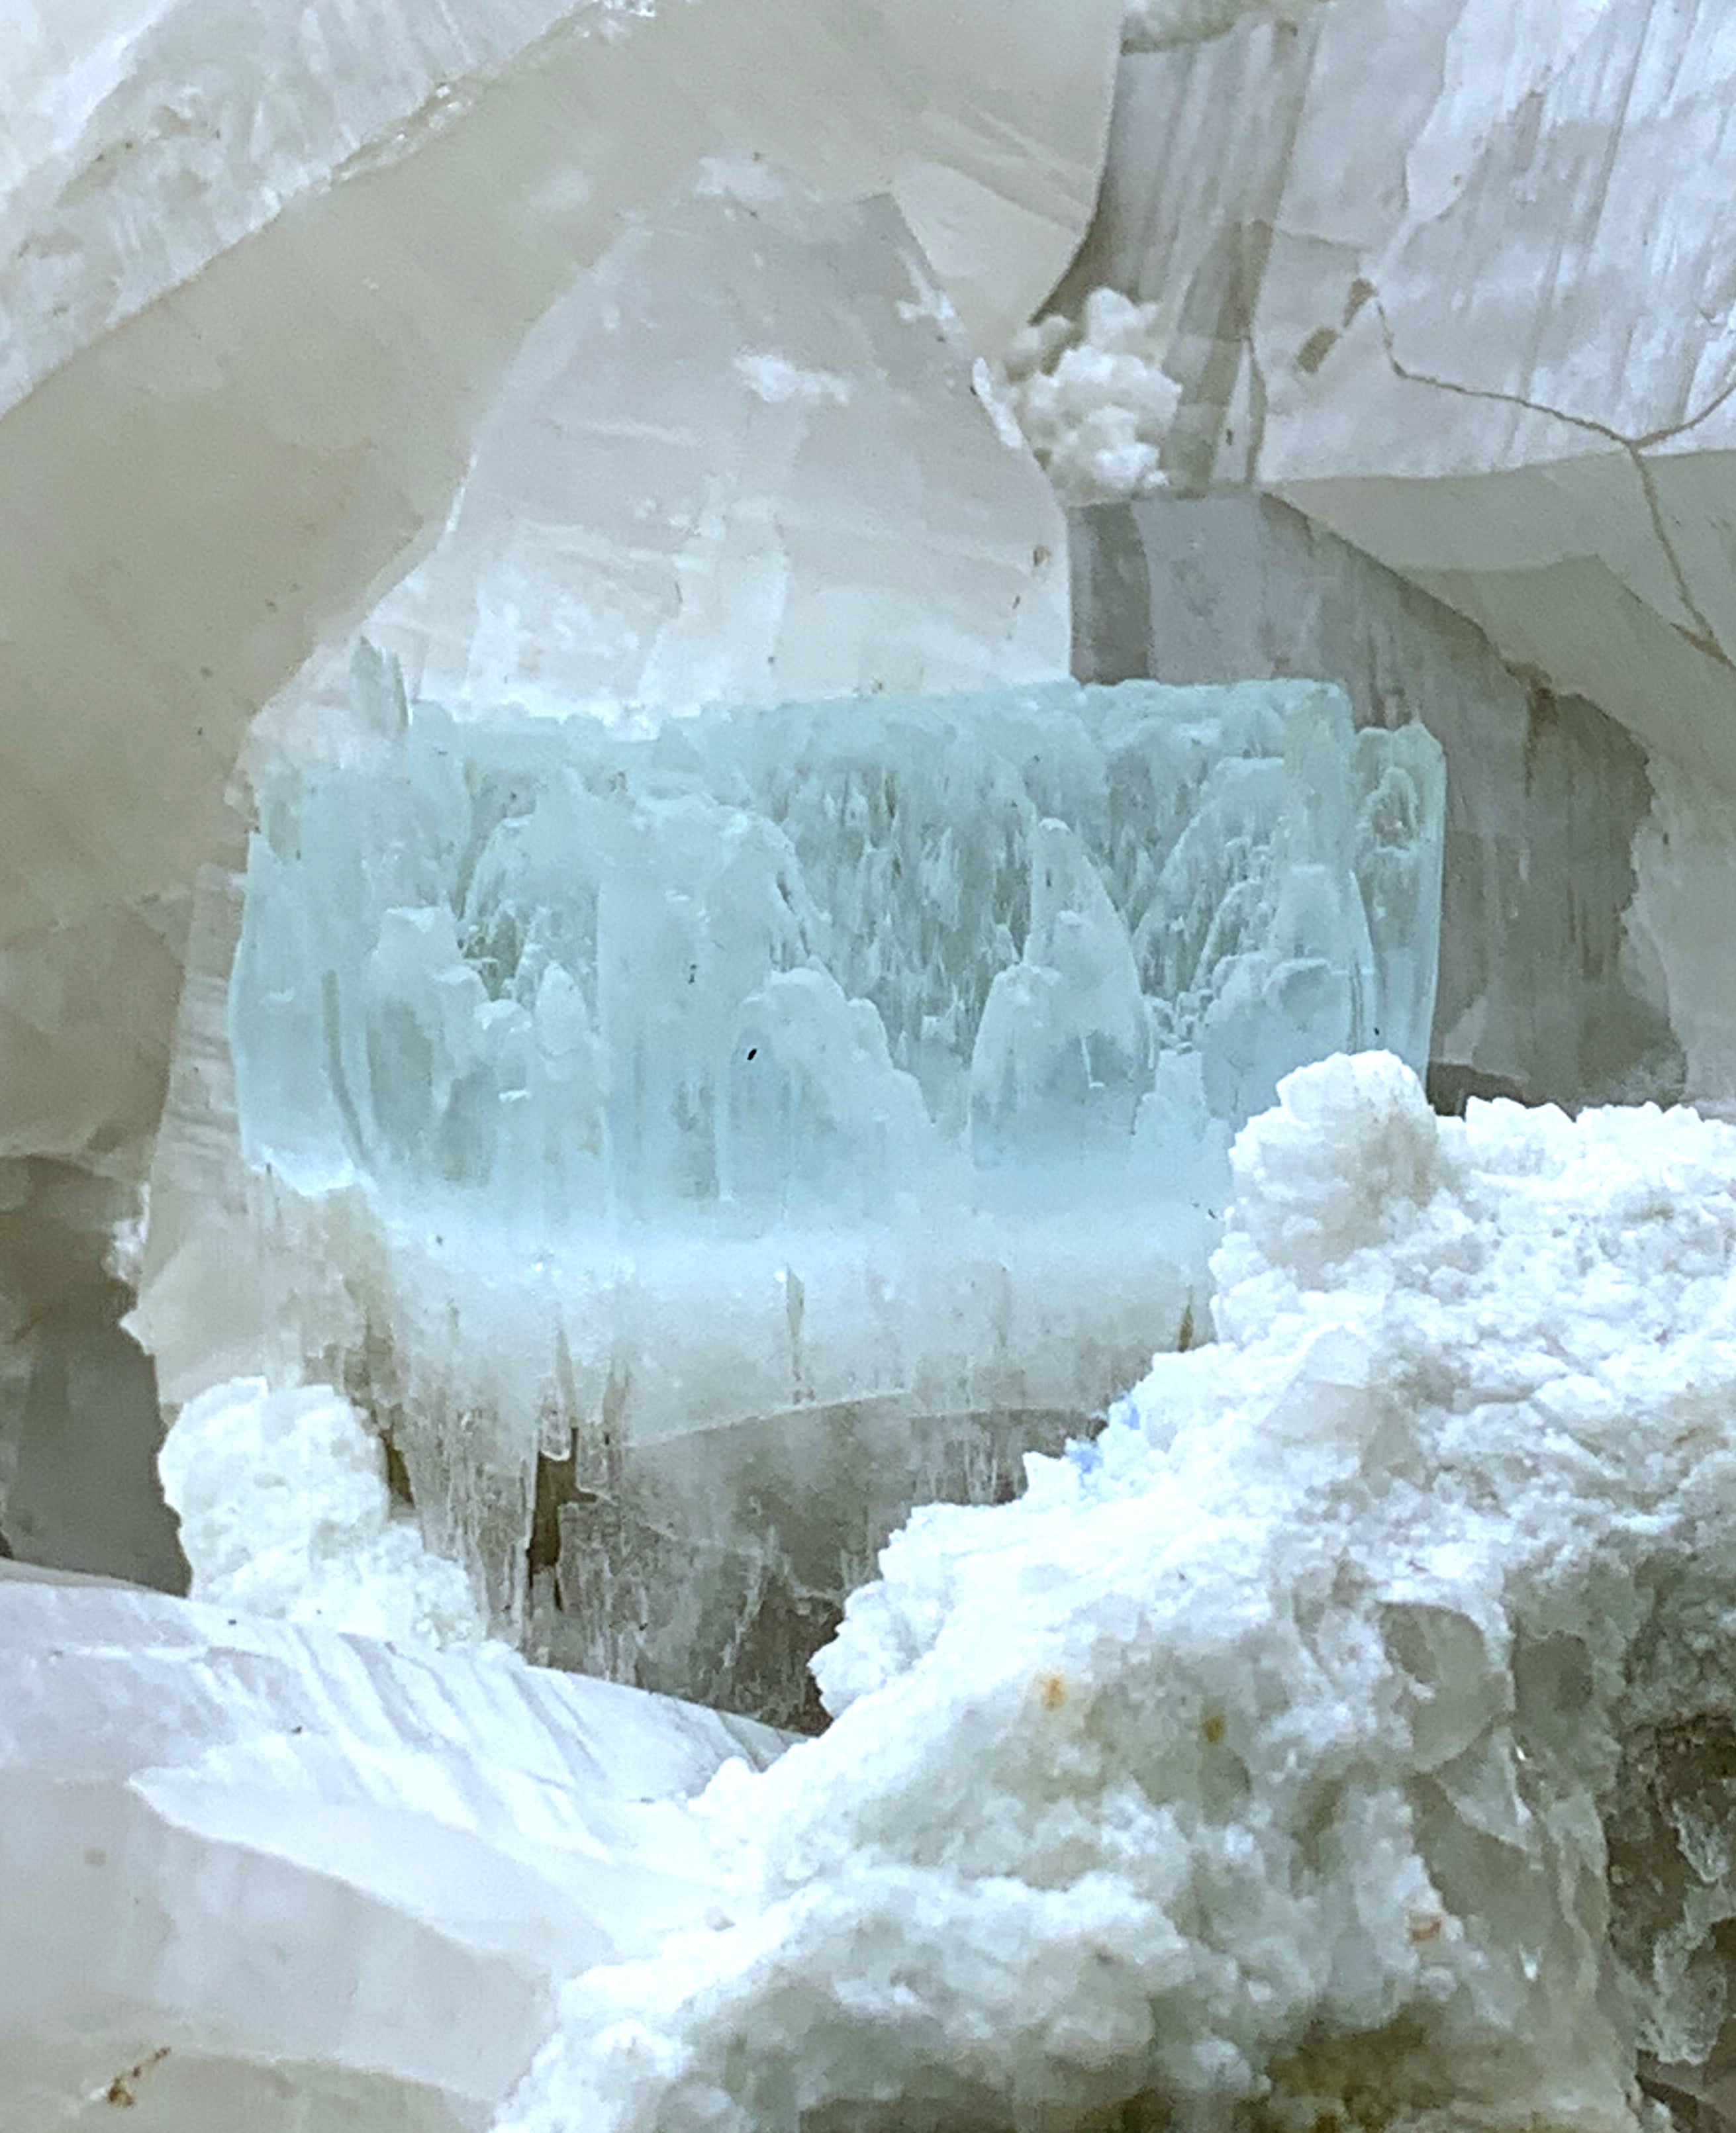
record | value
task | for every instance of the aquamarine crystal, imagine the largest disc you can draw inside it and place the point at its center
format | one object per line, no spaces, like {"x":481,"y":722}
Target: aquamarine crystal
{"x":823,"y":962}
{"x":712,"y":1143}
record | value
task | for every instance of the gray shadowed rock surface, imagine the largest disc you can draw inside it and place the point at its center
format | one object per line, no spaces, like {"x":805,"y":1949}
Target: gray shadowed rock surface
{"x":1538,"y":995}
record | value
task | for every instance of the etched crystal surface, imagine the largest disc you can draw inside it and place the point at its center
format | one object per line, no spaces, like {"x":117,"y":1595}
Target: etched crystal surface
{"x":806,"y":965}
{"x":780,"y":1120}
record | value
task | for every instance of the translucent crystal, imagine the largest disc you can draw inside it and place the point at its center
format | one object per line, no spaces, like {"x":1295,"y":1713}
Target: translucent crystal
{"x":706,"y":478}
{"x":776,"y":1121}
{"x":273,"y":1877}
{"x":555,"y":980}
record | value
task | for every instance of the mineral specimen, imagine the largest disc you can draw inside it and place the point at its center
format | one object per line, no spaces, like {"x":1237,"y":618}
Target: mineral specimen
{"x":1346,"y":1735}
{"x":548,"y":979}
{"x":269,"y":1877}
{"x":853,"y":1076}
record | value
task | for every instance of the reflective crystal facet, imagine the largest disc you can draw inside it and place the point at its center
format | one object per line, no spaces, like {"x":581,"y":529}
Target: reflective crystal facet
{"x":708,"y":478}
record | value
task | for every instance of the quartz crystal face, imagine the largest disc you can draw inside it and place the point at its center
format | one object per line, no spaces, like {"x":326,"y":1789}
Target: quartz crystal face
{"x":355,"y":1873}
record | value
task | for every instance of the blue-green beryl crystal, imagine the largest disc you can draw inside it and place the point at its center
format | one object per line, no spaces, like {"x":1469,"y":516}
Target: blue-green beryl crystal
{"x":1030,"y":949}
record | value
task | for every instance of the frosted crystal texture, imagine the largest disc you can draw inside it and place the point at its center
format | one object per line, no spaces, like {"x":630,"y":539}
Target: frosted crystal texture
{"x":800,"y":965}
{"x":1346,"y":1733}
{"x":287,"y":254}
{"x":710,"y":477}
{"x":272,"y":1877}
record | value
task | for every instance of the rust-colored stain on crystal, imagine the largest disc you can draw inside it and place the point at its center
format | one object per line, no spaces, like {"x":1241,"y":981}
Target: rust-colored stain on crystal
{"x":121,"y":2091}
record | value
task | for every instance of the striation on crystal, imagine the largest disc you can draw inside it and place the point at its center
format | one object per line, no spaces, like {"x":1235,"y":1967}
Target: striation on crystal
{"x":793,"y":1096}
{"x":264,"y":1876}
{"x":707,"y":480}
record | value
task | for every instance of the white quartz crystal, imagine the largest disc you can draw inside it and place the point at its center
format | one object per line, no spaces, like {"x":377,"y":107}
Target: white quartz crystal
{"x":260,"y":1876}
{"x":741,"y":460}
{"x":261,"y":270}
{"x":1451,"y":277}
{"x":1346,"y":1736}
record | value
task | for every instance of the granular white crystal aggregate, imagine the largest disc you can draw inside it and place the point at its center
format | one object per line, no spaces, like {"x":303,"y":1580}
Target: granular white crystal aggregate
{"x":285,"y":1511}
{"x":1261,"y":1756}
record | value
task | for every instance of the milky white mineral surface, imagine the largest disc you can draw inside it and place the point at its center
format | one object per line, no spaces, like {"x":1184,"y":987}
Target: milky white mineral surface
{"x":1346,"y":1733}
{"x":1679,"y":923}
{"x":264,"y":1876}
{"x":1452,"y":278}
{"x":741,"y":460}
{"x":1092,"y":397}
{"x":285,"y":1510}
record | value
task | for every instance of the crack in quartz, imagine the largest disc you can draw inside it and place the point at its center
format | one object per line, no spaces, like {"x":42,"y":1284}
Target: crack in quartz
{"x":1704,"y":637}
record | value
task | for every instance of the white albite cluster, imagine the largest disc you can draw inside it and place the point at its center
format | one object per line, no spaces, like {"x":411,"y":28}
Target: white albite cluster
{"x":1345,"y":1737}
{"x":1092,"y":398}
{"x":260,"y":1875}
{"x":285,"y":1511}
